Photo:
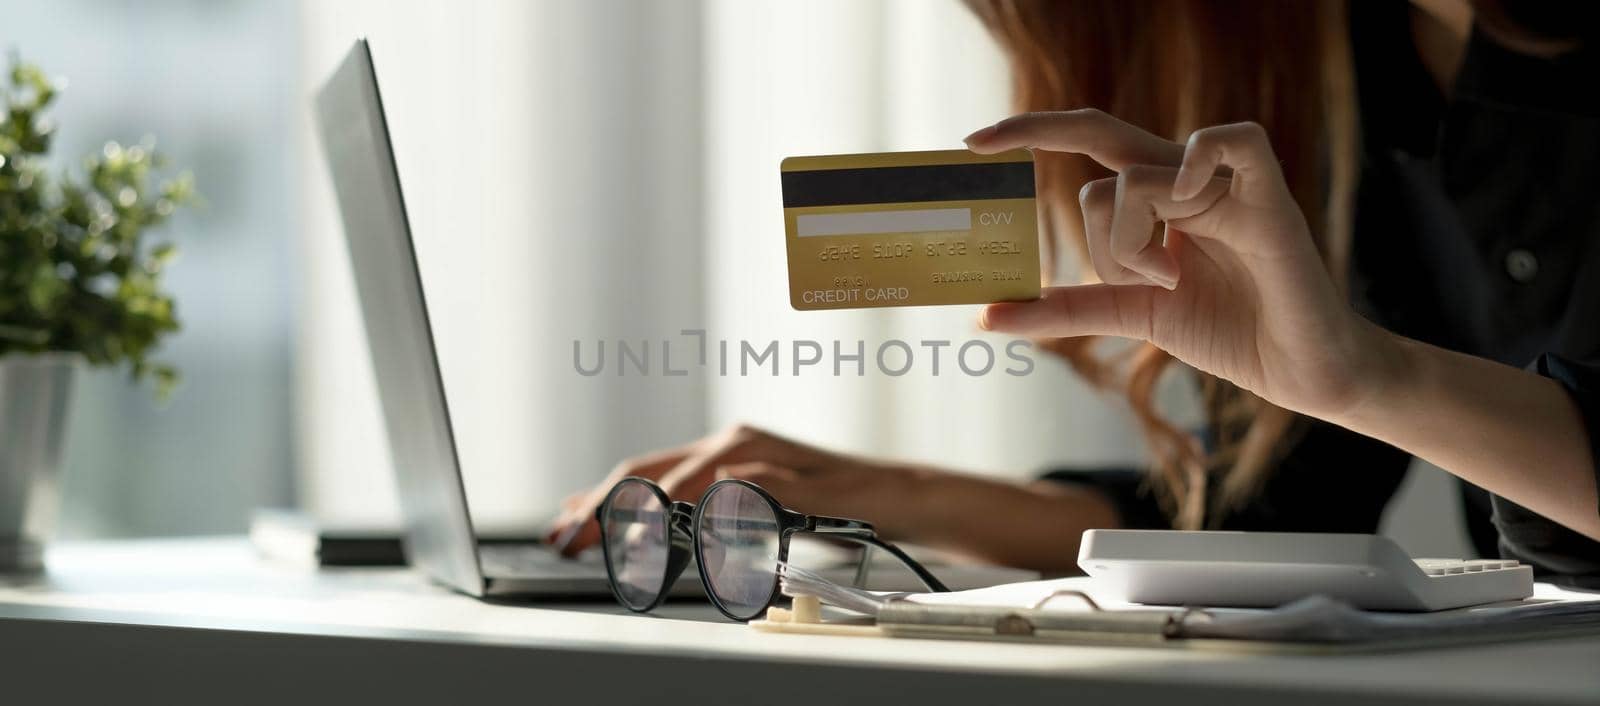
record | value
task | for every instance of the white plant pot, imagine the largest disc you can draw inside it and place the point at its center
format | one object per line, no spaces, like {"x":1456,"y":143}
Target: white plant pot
{"x":34,"y":394}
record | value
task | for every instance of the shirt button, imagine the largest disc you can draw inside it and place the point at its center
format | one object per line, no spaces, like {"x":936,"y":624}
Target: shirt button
{"x":1522,"y":266}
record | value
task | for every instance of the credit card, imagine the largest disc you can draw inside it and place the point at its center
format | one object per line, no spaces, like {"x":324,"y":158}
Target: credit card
{"x":910,"y":229}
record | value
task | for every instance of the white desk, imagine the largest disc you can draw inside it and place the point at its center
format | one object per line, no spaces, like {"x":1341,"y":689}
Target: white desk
{"x":204,"y":621}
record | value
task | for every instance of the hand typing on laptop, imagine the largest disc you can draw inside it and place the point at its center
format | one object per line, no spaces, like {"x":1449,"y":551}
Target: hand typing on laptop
{"x":1029,"y":525}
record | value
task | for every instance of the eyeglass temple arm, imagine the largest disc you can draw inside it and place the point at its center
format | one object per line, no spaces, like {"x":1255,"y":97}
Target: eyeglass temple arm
{"x":863,"y":533}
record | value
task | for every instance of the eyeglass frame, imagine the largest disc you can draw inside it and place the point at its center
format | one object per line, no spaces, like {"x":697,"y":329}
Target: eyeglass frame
{"x":683,"y":542}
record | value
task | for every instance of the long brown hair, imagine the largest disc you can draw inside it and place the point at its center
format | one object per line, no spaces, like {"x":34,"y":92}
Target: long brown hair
{"x":1171,"y":67}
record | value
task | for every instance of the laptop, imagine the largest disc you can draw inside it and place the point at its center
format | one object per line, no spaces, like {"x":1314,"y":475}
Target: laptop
{"x":438,"y":529}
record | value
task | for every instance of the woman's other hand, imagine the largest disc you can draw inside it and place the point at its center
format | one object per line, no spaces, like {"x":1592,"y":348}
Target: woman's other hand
{"x":1202,"y":251}
{"x":801,"y":477}
{"x":1032,"y":525}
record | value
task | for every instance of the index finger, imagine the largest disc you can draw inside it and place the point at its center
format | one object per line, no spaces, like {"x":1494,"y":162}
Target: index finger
{"x":575,"y":530}
{"x":1093,"y":133}
{"x":683,"y":478}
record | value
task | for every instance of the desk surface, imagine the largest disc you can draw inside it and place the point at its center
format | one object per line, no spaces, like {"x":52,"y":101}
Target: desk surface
{"x":189,"y":618}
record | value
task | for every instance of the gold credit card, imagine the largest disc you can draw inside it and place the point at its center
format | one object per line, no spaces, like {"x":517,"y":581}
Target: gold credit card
{"x":910,"y":229}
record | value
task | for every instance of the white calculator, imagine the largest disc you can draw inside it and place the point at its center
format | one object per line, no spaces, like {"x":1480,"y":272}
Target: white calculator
{"x":1269,"y":569}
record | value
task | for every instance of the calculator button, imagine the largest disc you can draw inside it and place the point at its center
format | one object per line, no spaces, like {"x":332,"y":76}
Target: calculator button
{"x":1441,"y":567}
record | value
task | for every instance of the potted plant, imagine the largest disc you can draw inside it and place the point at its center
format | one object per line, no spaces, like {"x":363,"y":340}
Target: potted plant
{"x":79,"y":285}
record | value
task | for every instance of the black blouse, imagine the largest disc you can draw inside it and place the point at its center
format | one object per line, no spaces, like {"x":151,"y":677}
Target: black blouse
{"x":1476,"y":230}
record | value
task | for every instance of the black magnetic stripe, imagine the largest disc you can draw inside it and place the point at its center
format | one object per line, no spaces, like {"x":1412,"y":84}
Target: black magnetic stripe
{"x":939,"y":182}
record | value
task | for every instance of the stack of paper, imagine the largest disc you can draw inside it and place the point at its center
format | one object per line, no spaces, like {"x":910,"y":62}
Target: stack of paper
{"x":1075,"y":609}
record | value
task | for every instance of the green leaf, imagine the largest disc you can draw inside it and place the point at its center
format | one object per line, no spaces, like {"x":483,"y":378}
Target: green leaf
{"x":161,"y":256}
{"x":167,"y":379}
{"x":45,"y":289}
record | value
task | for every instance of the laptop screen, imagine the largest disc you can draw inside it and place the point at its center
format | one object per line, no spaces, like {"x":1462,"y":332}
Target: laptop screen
{"x":355,"y":137}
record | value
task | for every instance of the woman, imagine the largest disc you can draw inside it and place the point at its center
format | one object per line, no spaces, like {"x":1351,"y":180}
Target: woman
{"x":1347,"y":196}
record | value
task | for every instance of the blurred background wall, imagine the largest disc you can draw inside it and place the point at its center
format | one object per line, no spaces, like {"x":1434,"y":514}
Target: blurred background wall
{"x":576,"y":170}
{"x":550,"y":154}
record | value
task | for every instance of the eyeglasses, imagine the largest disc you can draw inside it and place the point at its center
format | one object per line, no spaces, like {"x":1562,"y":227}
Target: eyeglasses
{"x":737,"y":534}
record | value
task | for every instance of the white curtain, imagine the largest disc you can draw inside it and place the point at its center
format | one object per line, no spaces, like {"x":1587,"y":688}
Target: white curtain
{"x":588,"y":171}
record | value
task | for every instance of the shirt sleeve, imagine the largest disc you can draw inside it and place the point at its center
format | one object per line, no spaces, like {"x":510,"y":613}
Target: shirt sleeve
{"x":1126,"y":488}
{"x":1331,"y":480}
{"x":1552,"y":549}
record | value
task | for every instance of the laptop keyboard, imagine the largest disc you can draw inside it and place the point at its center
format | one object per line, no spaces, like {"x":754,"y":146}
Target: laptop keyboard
{"x":537,"y":561}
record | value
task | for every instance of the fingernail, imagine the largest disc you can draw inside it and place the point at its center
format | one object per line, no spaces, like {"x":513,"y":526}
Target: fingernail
{"x":981,"y":135}
{"x":983,"y":319}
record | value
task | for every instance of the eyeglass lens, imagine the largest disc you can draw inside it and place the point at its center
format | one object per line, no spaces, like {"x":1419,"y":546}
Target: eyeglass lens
{"x":739,"y":538}
{"x":637,"y":546}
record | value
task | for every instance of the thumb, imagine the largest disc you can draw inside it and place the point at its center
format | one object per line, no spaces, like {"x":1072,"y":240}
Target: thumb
{"x":1086,"y":310}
